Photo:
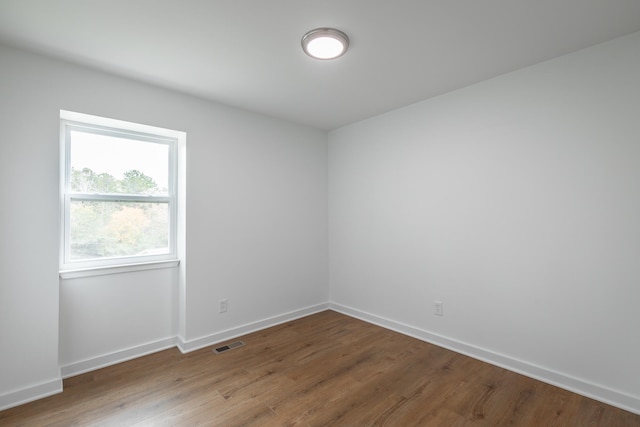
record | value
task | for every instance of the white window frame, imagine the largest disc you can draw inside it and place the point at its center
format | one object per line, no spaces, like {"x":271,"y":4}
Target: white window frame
{"x":104,"y":126}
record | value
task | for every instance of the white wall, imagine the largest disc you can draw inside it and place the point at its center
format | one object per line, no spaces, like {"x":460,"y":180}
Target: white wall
{"x":256,"y":228}
{"x":256,"y":223}
{"x":516,"y":202}
{"x":101,"y":315}
{"x":28,"y":243}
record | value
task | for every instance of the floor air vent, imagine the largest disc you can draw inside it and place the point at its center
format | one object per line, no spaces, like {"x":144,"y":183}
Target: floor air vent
{"x":228,"y":347}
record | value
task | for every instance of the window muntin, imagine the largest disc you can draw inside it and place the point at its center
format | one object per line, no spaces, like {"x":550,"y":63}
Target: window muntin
{"x":119,"y":191}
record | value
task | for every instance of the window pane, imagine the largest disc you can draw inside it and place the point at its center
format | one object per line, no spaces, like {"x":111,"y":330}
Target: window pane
{"x":102,"y":229}
{"x":113,"y":164}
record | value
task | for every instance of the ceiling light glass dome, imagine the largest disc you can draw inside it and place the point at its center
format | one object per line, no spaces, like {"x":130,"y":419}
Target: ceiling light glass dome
{"x":325,"y":43}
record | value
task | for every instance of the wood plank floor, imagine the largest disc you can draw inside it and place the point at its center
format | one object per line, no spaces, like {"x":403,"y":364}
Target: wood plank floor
{"x":323,"y":370}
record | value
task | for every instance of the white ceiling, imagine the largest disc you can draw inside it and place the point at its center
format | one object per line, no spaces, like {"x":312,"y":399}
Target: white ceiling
{"x":246,"y":53}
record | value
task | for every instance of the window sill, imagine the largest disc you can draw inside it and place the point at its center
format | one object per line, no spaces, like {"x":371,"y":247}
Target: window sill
{"x":116,"y":269}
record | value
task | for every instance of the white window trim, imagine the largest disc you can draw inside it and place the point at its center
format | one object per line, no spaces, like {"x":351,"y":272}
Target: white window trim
{"x":176,"y":140}
{"x":115,"y":269}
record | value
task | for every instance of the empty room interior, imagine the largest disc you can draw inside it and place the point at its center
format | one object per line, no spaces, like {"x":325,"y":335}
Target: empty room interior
{"x":440,"y":226}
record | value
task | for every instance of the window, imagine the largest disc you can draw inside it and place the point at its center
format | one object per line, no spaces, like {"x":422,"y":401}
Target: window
{"x":118,"y":191}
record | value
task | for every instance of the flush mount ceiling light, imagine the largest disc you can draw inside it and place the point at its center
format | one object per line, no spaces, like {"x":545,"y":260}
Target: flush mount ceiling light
{"x":325,"y":43}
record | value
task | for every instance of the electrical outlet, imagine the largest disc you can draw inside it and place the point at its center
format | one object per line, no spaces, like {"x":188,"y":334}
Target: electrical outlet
{"x":223,"y":305}
{"x":438,"y":308}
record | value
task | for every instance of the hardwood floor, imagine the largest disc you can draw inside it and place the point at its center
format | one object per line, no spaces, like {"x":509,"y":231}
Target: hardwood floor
{"x":323,"y":370}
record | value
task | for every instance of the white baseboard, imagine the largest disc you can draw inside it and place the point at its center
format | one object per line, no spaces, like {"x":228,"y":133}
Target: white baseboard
{"x":94,"y":363}
{"x":197,"y":343}
{"x":184,"y":346}
{"x":576,"y":385}
{"x":567,"y":382}
{"x":29,"y":394}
